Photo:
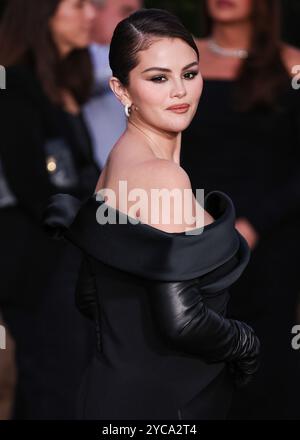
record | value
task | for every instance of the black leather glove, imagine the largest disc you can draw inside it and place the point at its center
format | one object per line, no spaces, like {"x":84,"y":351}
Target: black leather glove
{"x":247,"y":361}
{"x":187,"y":323}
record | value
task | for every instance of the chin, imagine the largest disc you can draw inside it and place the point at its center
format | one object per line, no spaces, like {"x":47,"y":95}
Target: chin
{"x":184,"y":123}
{"x":178,"y":127}
{"x":83,"y":45}
{"x":174,"y":123}
{"x":227,"y":17}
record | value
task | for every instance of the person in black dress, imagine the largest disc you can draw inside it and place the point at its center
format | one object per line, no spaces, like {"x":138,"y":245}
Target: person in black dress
{"x":155,"y":286}
{"x":45,"y":148}
{"x":244,"y":140}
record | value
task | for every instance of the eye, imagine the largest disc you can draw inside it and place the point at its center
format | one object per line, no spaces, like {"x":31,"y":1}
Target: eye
{"x":190,"y":75}
{"x":159,"y":79}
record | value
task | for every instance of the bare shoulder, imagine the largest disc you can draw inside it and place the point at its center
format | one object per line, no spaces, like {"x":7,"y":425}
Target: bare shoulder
{"x":169,"y":197}
{"x":158,"y":192}
{"x":290,"y":56}
{"x":160,"y":173}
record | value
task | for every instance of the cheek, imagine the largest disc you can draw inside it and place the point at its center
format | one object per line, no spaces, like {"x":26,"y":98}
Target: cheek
{"x":195,"y":89}
{"x":245,"y":7}
{"x":63,"y":25}
{"x":157,"y":96}
{"x":151,"y":97}
{"x":79,"y":32}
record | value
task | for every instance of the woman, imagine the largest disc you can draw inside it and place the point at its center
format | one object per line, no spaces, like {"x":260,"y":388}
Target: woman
{"x":45,"y":149}
{"x":244,"y":140}
{"x":163,"y":343}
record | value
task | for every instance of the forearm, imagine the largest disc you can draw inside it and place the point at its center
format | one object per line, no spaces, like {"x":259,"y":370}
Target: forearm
{"x":189,"y":325}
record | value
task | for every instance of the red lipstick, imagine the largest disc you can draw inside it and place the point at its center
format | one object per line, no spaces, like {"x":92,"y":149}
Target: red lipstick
{"x":179,"y":108}
{"x":225,"y":3}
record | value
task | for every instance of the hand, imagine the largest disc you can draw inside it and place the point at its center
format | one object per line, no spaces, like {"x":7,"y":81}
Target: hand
{"x":247,"y":363}
{"x":247,"y":231}
{"x":243,"y":370}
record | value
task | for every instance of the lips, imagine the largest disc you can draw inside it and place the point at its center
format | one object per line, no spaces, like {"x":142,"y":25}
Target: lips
{"x":225,"y":3}
{"x":179,"y":107}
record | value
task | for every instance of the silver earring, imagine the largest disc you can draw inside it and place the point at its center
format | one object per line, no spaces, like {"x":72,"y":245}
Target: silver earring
{"x":127,"y":110}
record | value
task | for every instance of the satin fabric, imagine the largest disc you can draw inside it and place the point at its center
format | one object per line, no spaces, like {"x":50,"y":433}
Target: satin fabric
{"x":155,"y":254}
{"x":136,"y":374}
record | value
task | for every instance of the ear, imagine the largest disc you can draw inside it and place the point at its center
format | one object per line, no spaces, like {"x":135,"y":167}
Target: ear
{"x":120,"y":91}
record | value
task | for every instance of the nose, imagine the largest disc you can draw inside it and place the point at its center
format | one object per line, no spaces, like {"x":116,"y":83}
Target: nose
{"x":178,"y":89}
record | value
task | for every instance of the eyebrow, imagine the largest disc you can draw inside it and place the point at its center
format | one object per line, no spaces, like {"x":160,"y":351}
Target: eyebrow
{"x":163,"y":69}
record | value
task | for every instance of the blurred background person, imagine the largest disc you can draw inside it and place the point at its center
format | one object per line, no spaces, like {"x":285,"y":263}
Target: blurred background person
{"x":104,"y":114}
{"x":247,"y":133}
{"x":45,"y":148}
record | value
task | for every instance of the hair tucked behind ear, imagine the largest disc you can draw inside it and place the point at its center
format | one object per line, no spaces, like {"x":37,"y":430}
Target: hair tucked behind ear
{"x":138,"y":32}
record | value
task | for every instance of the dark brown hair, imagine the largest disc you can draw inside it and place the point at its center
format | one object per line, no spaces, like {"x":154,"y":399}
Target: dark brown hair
{"x":25,"y":38}
{"x":262,"y":75}
{"x":137,"y":32}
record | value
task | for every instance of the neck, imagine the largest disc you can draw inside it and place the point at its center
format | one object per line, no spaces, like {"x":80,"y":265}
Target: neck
{"x":164,"y":145}
{"x":232,"y":35}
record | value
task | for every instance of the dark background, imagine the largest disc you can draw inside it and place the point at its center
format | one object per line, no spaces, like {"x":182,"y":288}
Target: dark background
{"x":190,"y":13}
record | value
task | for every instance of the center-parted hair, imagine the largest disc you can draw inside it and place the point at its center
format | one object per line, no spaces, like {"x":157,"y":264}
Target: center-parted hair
{"x":137,"y":33}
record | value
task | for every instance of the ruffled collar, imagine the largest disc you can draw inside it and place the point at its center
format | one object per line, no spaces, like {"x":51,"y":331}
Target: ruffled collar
{"x":143,"y":250}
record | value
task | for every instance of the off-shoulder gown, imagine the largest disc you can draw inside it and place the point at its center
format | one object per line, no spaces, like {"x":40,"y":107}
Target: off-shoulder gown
{"x":134,"y":373}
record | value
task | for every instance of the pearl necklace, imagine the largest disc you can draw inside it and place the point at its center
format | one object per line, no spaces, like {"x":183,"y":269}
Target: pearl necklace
{"x":236,"y":53}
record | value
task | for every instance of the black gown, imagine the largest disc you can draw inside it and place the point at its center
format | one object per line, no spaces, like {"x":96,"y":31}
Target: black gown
{"x":254,"y":157}
{"x":135,"y":374}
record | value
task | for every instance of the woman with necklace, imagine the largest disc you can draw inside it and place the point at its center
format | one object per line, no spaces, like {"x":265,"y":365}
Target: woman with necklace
{"x":244,"y":139}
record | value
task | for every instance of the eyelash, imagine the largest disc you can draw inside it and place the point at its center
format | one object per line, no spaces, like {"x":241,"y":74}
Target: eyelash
{"x":157,"y":79}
